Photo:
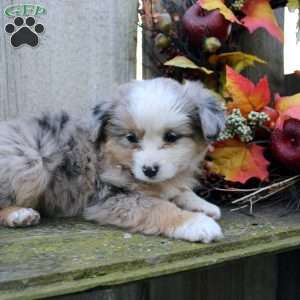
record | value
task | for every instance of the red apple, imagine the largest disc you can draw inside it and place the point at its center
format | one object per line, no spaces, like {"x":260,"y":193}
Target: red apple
{"x":199,"y":23}
{"x":285,"y":144}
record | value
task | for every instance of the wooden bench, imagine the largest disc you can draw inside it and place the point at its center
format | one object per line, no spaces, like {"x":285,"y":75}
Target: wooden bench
{"x":70,"y":256}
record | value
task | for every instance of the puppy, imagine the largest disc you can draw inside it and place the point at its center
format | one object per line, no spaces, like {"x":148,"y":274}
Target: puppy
{"x":131,"y":163}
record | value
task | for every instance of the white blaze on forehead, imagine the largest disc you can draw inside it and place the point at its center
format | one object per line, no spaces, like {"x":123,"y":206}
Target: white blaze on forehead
{"x":155,"y":107}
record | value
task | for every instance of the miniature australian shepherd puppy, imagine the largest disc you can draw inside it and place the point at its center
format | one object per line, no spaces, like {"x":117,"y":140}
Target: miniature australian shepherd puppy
{"x":131,"y":163}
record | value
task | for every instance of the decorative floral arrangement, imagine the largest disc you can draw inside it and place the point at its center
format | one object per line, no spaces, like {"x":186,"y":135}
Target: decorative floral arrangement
{"x":258,"y":153}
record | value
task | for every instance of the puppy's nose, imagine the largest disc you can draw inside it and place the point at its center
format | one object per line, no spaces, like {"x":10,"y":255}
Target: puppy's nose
{"x":150,"y":171}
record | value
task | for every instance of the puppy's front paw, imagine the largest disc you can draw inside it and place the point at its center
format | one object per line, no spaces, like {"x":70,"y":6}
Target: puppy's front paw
{"x":22,"y":217}
{"x":200,"y":228}
{"x":211,"y":210}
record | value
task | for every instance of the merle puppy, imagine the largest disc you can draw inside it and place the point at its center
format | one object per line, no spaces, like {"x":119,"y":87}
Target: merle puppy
{"x":131,"y":163}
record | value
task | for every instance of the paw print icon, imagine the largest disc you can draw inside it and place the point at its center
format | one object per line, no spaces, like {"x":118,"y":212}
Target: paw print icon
{"x":24,"y":31}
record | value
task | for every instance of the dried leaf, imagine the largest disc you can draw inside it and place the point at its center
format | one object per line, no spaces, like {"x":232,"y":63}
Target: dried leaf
{"x":259,"y":14}
{"x":239,"y":162}
{"x":219,"y":4}
{"x":185,"y":63}
{"x":237,"y":60}
{"x":244,"y":94}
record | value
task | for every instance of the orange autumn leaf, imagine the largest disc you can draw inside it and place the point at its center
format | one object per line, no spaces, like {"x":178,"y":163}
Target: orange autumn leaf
{"x":238,"y":161}
{"x":219,"y":4}
{"x":244,"y":94}
{"x":288,"y":107}
{"x":259,"y":14}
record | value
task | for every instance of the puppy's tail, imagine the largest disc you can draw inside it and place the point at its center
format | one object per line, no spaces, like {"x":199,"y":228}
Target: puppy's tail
{"x":29,"y":153}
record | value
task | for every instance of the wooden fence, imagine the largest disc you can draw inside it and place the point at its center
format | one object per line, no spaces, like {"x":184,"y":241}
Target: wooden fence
{"x":88,"y":47}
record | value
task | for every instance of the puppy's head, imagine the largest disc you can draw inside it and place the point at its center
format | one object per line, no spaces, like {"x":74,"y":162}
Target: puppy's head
{"x":159,"y":128}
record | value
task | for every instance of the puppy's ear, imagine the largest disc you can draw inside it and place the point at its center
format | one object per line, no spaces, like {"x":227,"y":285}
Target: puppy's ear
{"x":99,"y":119}
{"x":104,"y":111}
{"x":210,"y":110}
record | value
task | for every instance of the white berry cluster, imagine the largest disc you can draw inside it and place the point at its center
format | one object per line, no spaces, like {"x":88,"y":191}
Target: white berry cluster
{"x":238,"y":126}
{"x":237,"y":4}
{"x":257,"y":119}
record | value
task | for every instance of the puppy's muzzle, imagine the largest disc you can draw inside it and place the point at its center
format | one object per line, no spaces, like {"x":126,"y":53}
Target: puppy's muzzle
{"x":150,"y":171}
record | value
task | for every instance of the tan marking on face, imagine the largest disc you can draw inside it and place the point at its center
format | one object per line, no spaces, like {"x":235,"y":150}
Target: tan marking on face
{"x":118,"y":154}
{"x":167,"y":145}
{"x":131,"y":127}
{"x":126,"y":123}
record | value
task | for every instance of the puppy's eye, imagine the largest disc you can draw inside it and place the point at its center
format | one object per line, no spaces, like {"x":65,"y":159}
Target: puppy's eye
{"x":132,"y":138}
{"x":171,"y":137}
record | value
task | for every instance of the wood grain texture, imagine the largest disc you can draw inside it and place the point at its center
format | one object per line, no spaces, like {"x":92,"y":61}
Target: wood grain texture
{"x":245,"y":279}
{"x":132,"y":291}
{"x":88,"y":47}
{"x":289,"y":276}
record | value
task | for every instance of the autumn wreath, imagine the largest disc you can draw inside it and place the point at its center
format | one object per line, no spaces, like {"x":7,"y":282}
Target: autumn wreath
{"x":258,"y":154}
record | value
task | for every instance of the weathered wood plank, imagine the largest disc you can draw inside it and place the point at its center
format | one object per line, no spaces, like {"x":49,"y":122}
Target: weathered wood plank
{"x":61,"y":257}
{"x":132,"y":291}
{"x":88,"y":47}
{"x":251,"y":278}
{"x":260,"y":278}
{"x":289,"y":275}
